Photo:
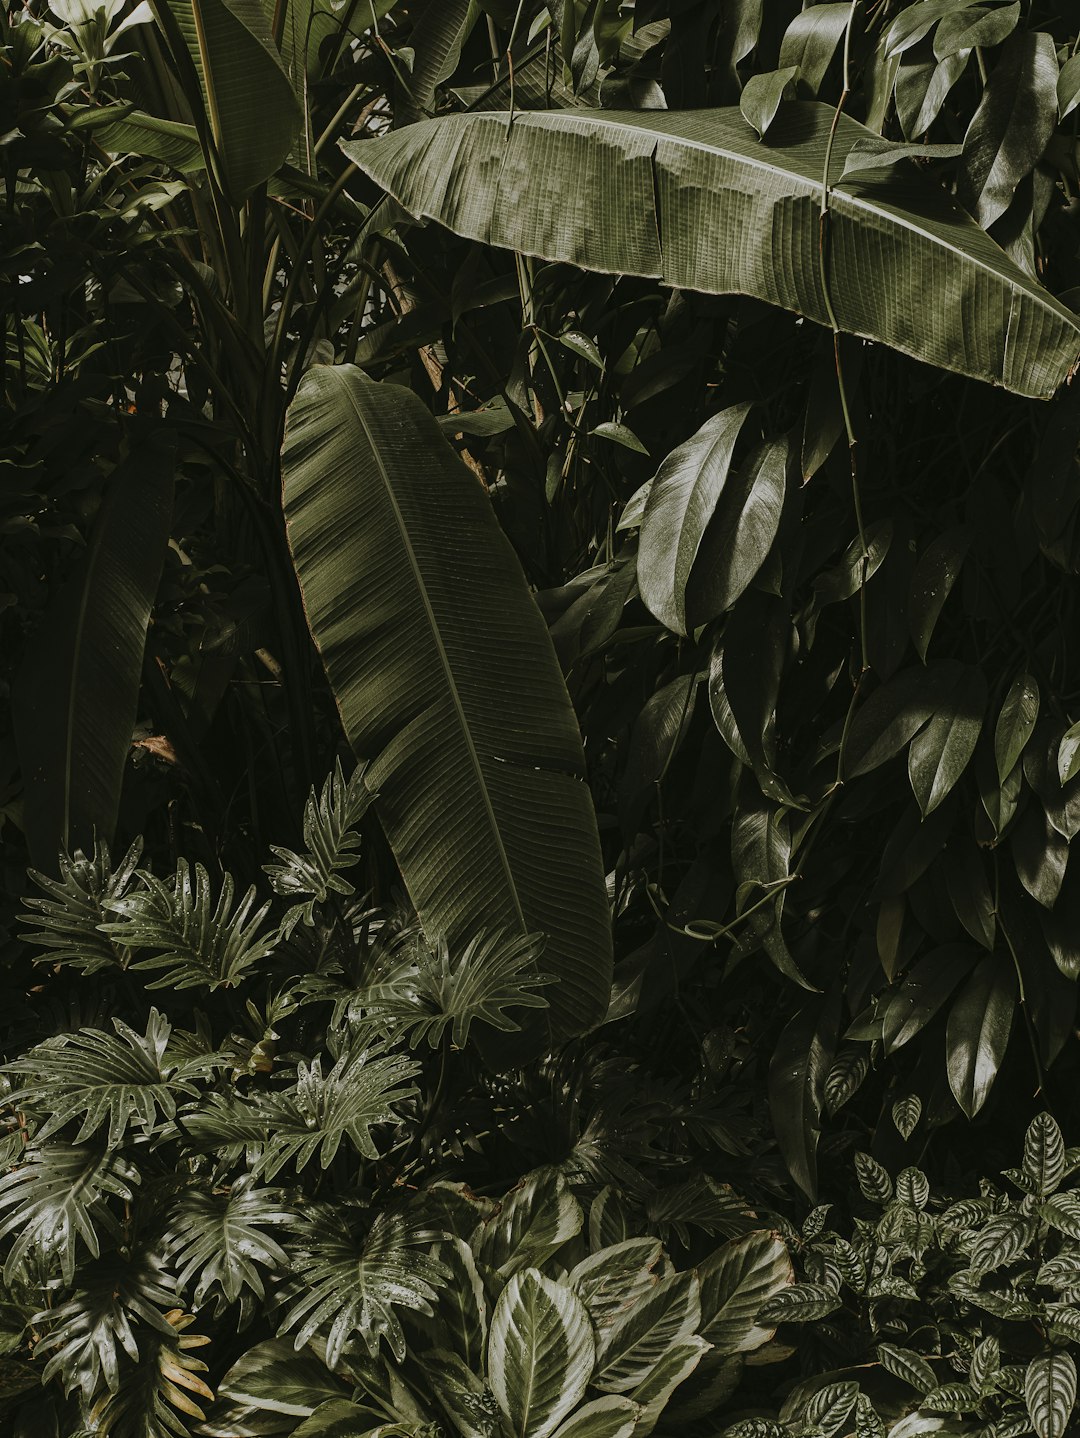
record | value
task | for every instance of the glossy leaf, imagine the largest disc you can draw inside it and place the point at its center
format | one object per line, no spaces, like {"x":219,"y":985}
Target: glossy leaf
{"x":681,"y":503}
{"x":978,"y":1031}
{"x":708,"y":173}
{"x":735,"y":1281}
{"x":935,"y":574}
{"x":630,"y":1347}
{"x":1015,"y":723}
{"x":1050,"y":1392}
{"x":1044,"y":1154}
{"x":540,"y":1354}
{"x":466,"y":720}
{"x":942,"y":750}
{"x":762,"y":95}
{"x":811,"y":41}
{"x":1010,"y":129}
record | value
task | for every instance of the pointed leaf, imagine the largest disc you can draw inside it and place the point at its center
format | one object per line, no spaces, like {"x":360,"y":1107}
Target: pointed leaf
{"x":681,"y":503}
{"x":446,"y":680}
{"x":540,"y":1354}
{"x":935,"y":574}
{"x":1050,"y":1393}
{"x":629,"y":1349}
{"x":978,"y":1031}
{"x":941,"y":751}
{"x":1015,"y":723}
{"x":735,"y":1281}
{"x":943,"y":290}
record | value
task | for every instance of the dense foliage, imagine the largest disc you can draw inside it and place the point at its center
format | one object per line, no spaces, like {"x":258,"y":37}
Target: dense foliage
{"x":546,"y":537}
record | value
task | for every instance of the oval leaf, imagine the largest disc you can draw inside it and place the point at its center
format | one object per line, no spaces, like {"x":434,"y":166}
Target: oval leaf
{"x":978,"y":1031}
{"x":540,"y":1354}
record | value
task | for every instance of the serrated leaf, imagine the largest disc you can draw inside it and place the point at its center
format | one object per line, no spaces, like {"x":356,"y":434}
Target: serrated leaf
{"x":540,"y":1354}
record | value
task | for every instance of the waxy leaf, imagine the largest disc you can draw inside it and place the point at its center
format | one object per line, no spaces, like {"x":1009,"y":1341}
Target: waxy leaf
{"x":1050,"y":1393}
{"x":1012,"y":126}
{"x":1044,"y":1154}
{"x":941,"y":751}
{"x":811,"y":40}
{"x":681,"y":503}
{"x":762,"y":94}
{"x":735,"y":1281}
{"x":1015,"y":723}
{"x":977,"y":1034}
{"x":935,"y":574}
{"x":540,"y":1354}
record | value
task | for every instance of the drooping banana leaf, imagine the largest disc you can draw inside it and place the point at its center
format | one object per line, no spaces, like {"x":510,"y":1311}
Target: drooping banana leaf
{"x":446,"y":681}
{"x":697,"y":200}
{"x":77,"y":694}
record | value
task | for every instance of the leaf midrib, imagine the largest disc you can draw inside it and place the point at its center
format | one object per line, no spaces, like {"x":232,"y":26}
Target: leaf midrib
{"x":444,"y":659}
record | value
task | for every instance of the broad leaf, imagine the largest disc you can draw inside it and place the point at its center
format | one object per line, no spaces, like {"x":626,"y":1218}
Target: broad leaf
{"x":1050,"y":1393}
{"x":681,"y":503}
{"x":274,"y":1378}
{"x":77,"y":694}
{"x":446,"y":680}
{"x":978,"y":1031}
{"x":614,"y":1279}
{"x":694,"y":185}
{"x":1015,"y":723}
{"x":532,"y":1223}
{"x":941,"y":751}
{"x":735,"y":1281}
{"x":540,"y":1354}
{"x":629,"y":1349}
{"x":250,"y":105}
{"x":654,"y":1393}
{"x":607,"y":1417}
{"x":930,"y":982}
{"x":935,"y":574}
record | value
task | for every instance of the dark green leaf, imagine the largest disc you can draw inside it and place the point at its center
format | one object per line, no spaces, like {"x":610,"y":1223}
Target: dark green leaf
{"x":935,"y":574}
{"x":1015,"y":723}
{"x":1050,"y":1393}
{"x":811,"y":39}
{"x":980,"y":1022}
{"x":762,"y":94}
{"x":965,"y":29}
{"x":941,"y":751}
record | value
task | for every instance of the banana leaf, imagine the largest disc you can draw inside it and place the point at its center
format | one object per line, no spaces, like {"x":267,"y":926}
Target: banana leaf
{"x":696,"y":200}
{"x":446,"y":681}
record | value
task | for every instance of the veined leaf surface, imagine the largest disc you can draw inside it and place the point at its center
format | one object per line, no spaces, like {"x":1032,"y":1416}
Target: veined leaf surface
{"x":447,"y":681}
{"x":695,"y":199}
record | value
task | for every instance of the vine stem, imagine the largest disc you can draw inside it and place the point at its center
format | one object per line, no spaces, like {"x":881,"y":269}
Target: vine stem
{"x":823,"y":251}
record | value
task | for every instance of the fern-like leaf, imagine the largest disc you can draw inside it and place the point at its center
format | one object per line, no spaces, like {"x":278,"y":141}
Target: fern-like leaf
{"x":99,"y":1078}
{"x":198,"y":943}
{"x":293,"y":1125}
{"x":355,"y":1287}
{"x":58,"y":1195}
{"x":220,"y":1240}
{"x":420,"y":991}
{"x":86,"y":1336}
{"x":333,"y":844}
{"x":69,"y":918}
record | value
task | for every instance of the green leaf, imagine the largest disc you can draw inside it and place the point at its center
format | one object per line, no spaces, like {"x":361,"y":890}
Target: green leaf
{"x":532,"y":1222}
{"x":740,"y":535}
{"x":76,"y":696}
{"x":965,"y":878}
{"x":607,"y":1417}
{"x":436,"y":38}
{"x":272,"y":1377}
{"x":1062,"y":1211}
{"x":1015,"y":723}
{"x":250,"y":104}
{"x":800,"y":1062}
{"x":686,"y":173}
{"x":735,"y":1281}
{"x":131,"y":132}
{"x":614,"y":1279}
{"x":446,"y":680}
{"x":941,"y":751}
{"x":220,"y":1239}
{"x":906,"y":1113}
{"x":891,"y":718}
{"x":877,"y":159}
{"x":1044,"y":1154}
{"x":923,"y":991}
{"x":811,"y":39}
{"x":654,"y":1393}
{"x":540,"y":1354}
{"x":332,"y":841}
{"x":1068,"y":757}
{"x":1012,"y":126}
{"x":916,"y":21}
{"x":909,"y":1367}
{"x":1000,"y":1242}
{"x":875,"y":1185}
{"x":628,"y":1349}
{"x":967,"y":28}
{"x":935,"y":574}
{"x":622,"y":435}
{"x":120,"y":1080}
{"x":831,"y":1406}
{"x":1068,"y":86}
{"x":492,"y":418}
{"x":76,"y":905}
{"x":762,"y":94}
{"x":978,"y":1031}
{"x":802,"y":1303}
{"x":1050,"y":1392}
{"x":681,"y":502}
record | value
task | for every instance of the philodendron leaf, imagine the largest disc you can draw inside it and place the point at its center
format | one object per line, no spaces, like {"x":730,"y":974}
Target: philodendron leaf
{"x":540,"y":1354}
{"x":735,"y":1281}
{"x":943,"y":290}
{"x":1050,"y":1392}
{"x":77,"y":693}
{"x":681,"y":503}
{"x":446,"y":679}
{"x":977,"y":1033}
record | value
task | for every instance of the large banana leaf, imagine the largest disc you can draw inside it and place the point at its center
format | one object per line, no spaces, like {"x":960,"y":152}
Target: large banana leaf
{"x":697,"y":200}
{"x":76,"y":696}
{"x":446,"y":681}
{"x":249,"y":99}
